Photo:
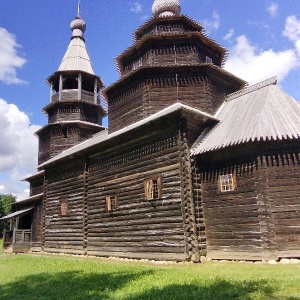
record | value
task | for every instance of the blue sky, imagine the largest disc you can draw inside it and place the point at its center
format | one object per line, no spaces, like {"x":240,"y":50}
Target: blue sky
{"x":263,"y":39}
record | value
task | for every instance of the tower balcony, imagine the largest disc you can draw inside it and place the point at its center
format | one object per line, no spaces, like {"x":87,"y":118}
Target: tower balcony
{"x":73,"y":95}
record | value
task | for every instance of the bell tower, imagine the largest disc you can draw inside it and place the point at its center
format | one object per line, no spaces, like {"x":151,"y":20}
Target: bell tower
{"x":76,"y":107}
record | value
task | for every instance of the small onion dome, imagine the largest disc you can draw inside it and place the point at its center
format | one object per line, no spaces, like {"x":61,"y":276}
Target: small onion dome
{"x":166,"y":8}
{"x":78,"y":26}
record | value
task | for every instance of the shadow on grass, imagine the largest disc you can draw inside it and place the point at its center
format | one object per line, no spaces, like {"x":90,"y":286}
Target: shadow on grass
{"x":73,"y":285}
{"x":82,"y":286}
{"x":219,"y":289}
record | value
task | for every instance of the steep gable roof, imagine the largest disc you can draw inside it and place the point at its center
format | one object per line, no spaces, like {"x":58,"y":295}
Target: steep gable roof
{"x":262,"y":112}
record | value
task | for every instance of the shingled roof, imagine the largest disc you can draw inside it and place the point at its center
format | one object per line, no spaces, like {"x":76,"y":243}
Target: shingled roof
{"x":258,"y":113}
{"x":104,"y":135}
{"x":76,"y":57}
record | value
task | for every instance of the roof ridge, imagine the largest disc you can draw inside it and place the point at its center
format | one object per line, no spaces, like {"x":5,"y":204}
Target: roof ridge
{"x":254,"y":87}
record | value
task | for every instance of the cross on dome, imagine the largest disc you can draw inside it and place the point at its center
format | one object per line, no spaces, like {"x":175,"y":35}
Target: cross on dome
{"x":166,"y":8}
{"x":78,"y":26}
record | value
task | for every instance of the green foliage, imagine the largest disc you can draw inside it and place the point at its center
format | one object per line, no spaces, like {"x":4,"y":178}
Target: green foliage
{"x":49,"y":278}
{"x":6,"y":202}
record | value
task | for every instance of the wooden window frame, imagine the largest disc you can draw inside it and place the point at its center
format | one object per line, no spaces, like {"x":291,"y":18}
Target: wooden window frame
{"x":111,"y":203}
{"x":227,"y":183}
{"x":152,"y":188}
{"x":64,"y":209}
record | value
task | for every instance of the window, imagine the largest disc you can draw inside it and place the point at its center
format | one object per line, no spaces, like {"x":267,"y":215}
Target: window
{"x":111,"y":203}
{"x":227,"y":183}
{"x":152,"y":188}
{"x":208,"y":60}
{"x":63,"y":208}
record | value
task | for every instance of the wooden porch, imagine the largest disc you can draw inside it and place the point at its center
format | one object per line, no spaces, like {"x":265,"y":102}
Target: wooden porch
{"x":16,"y":240}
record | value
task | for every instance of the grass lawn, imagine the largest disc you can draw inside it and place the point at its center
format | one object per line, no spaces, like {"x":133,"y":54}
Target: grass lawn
{"x":24,"y":277}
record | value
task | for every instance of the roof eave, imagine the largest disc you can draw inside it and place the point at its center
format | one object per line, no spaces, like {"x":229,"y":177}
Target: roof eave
{"x":153,"y":118}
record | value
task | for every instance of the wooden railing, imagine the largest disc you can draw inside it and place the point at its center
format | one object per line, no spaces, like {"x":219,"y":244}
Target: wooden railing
{"x":17,"y":236}
{"x":8,"y":237}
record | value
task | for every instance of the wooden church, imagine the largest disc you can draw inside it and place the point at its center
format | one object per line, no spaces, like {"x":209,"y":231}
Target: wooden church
{"x":194,"y":163}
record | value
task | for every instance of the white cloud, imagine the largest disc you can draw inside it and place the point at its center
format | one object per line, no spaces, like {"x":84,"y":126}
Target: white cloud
{"x":254,"y":64}
{"x":136,"y":7}
{"x":273,"y":10}
{"x":9,"y":58}
{"x":214,"y":24}
{"x":292,"y":31}
{"x":18,"y":148}
{"x":229,"y":35}
{"x":292,"y":28}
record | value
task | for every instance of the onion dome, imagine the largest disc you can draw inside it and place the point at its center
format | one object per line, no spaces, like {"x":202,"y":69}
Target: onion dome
{"x":76,"y":57}
{"x":166,"y":8}
{"x":78,"y":26}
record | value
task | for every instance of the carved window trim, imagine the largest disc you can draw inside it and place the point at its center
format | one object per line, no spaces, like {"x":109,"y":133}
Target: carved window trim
{"x":152,"y":188}
{"x":227,"y":183}
{"x":111,"y":203}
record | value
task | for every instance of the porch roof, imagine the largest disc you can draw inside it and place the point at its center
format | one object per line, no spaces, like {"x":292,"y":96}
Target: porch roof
{"x":18,"y":213}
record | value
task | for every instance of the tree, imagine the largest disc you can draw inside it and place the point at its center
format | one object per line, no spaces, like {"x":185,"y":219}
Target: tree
{"x":6,"y":201}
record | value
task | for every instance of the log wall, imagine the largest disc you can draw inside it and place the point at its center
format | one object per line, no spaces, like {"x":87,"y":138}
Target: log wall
{"x":44,"y":146}
{"x":37,"y":186}
{"x":176,"y":52}
{"x":138,"y":228}
{"x":284,"y":191}
{"x":59,"y":137}
{"x":74,"y":112}
{"x":64,"y":208}
{"x":126,"y":107}
{"x":153,"y":94}
{"x":239,"y":223}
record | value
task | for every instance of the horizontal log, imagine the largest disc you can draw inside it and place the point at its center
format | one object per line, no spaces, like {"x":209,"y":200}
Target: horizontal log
{"x":145,"y":249}
{"x":137,"y":255}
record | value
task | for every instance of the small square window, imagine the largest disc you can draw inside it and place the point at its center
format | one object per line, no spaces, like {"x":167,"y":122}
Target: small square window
{"x":111,"y":203}
{"x":227,"y":183}
{"x":152,"y":188}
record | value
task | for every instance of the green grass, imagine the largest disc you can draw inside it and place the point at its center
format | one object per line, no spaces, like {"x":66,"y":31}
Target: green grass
{"x":24,"y":277}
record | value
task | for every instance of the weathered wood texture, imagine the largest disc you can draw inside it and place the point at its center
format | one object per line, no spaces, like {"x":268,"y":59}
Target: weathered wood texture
{"x":71,"y":95}
{"x":170,"y":52}
{"x":150,"y":228}
{"x":198,"y":208}
{"x":35,"y":217}
{"x":37,"y":186}
{"x":56,"y":138}
{"x":241,"y":220}
{"x":188,"y":207}
{"x":163,"y":67}
{"x":172,"y":25}
{"x":138,"y":100}
{"x":75,"y":112}
{"x":63,"y":228}
{"x":284,"y":191}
